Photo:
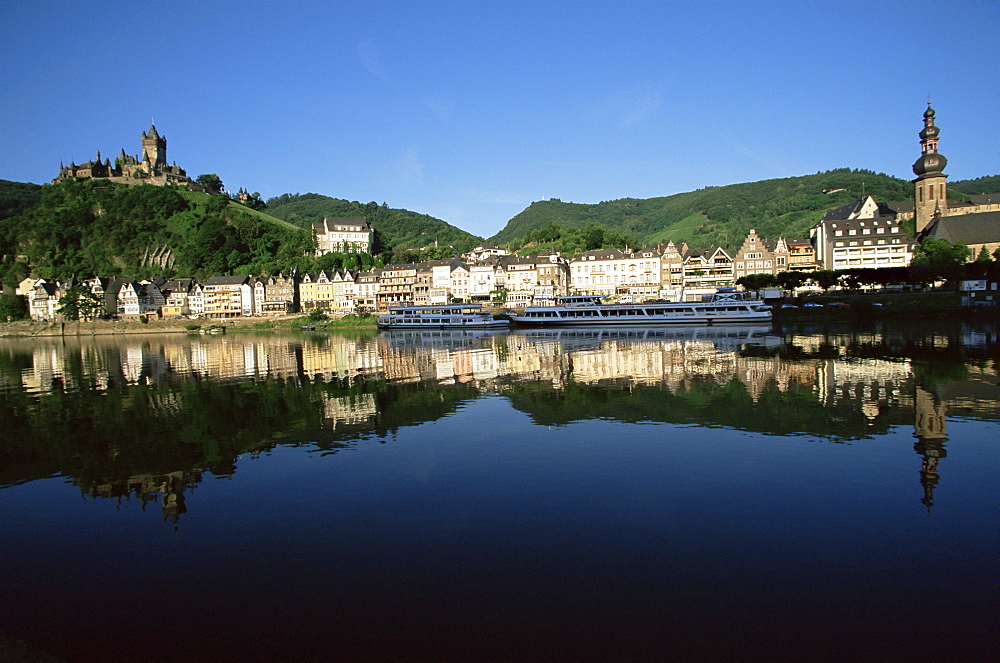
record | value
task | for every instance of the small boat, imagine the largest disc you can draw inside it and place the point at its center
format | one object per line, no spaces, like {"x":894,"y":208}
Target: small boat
{"x":586,"y":310}
{"x":440,"y":316}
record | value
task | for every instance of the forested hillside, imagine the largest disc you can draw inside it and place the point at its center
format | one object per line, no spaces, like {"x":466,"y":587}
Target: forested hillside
{"x":98,"y":228}
{"x":15,"y":197}
{"x":986,"y":184}
{"x":721,"y":216}
{"x":394,"y":228}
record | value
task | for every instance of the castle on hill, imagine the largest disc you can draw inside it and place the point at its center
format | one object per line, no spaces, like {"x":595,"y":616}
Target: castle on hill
{"x":149,"y":168}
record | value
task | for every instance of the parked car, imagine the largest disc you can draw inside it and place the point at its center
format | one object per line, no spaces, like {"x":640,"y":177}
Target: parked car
{"x":812,"y":305}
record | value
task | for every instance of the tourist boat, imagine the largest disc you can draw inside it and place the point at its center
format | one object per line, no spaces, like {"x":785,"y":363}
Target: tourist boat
{"x":586,"y":310}
{"x":440,"y":316}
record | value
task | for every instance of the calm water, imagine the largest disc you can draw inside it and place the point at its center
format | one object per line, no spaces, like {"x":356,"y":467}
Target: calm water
{"x":797,"y":494}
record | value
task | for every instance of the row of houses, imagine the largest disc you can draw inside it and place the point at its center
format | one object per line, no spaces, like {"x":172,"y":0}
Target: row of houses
{"x":862,"y":234}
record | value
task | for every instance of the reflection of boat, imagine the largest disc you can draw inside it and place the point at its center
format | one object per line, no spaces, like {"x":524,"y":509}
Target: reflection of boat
{"x":585,"y":310}
{"x":442,"y":316}
{"x":722,"y":336}
{"x":437,"y":337}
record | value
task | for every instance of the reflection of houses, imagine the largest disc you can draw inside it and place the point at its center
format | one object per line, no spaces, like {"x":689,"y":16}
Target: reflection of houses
{"x":351,"y":412}
{"x":868,"y":384}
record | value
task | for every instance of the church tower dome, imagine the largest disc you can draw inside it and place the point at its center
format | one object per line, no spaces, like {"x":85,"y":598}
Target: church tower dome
{"x":930,"y":192}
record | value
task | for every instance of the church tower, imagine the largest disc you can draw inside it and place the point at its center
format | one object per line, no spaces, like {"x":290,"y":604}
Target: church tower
{"x":930,"y":194}
{"x":154,"y":146}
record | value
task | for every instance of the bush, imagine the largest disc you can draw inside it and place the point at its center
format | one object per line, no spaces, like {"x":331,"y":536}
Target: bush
{"x":192,"y":327}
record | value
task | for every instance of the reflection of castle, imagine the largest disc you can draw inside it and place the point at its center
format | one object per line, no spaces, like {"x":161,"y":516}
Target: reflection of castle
{"x":167,"y":489}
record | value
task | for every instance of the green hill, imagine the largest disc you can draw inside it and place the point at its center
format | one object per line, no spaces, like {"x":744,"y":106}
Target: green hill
{"x":96,"y":227}
{"x":722,"y":215}
{"x":394,"y":228}
{"x":15,"y":197}
{"x":986,"y":184}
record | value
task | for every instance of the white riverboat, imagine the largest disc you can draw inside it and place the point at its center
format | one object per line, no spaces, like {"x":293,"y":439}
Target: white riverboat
{"x":440,"y":316}
{"x":587,"y":311}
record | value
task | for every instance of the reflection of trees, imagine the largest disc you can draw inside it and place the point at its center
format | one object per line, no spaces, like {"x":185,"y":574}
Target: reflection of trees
{"x":702,"y":401}
{"x":102,"y":437}
{"x":103,"y":413}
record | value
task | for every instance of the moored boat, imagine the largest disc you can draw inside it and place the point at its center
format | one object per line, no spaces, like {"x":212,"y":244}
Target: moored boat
{"x":440,"y":316}
{"x":585,"y":310}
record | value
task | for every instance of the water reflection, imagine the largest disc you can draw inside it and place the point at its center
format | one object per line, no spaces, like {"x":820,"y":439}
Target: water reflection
{"x":143,"y":417}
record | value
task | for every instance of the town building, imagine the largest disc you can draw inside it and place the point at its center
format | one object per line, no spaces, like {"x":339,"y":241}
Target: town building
{"x":335,"y":234}
{"x":672,"y":271}
{"x":861,"y":234}
{"x":177,"y":293}
{"x":553,"y":276}
{"x":520,"y":279}
{"x":801,"y":255}
{"x":482,"y":279}
{"x":43,"y":300}
{"x":395,"y":286}
{"x":366,"y":287}
{"x":760,"y":256}
{"x":705,"y":272}
{"x":228,"y":296}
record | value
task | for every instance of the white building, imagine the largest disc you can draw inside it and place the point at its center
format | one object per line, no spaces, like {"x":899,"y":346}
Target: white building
{"x":342,"y":235}
{"x":859,"y":235}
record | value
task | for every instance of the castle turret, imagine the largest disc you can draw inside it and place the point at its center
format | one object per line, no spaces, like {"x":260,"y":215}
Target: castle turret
{"x":931,"y":192}
{"x":155,"y":147}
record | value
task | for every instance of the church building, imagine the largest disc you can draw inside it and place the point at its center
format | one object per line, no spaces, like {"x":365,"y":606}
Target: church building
{"x":975,"y":223}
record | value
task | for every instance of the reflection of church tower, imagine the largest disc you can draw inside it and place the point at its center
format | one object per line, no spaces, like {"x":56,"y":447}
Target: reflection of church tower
{"x":930,"y":194}
{"x":929,"y":427}
{"x":154,"y":147}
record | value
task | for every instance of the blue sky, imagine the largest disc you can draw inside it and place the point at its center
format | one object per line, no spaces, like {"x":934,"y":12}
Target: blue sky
{"x":469,"y":111}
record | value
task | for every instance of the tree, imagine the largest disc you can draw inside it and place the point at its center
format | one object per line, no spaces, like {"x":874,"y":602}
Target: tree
{"x":254,"y":201}
{"x":210,"y":181}
{"x":755,"y":282}
{"x":13,"y":307}
{"x":940,"y":259}
{"x":791,"y":280}
{"x":79,"y":302}
{"x":825,"y":278}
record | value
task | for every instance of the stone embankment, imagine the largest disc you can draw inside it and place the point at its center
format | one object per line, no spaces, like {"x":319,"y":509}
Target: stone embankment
{"x":134,"y":326}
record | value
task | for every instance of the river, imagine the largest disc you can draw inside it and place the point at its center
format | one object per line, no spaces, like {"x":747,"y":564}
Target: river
{"x":641,"y":494}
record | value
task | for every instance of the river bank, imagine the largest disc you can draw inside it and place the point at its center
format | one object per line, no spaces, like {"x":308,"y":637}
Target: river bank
{"x":833,"y":306}
{"x":34,"y":328}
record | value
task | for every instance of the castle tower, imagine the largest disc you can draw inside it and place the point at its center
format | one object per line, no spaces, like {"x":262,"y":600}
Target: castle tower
{"x":155,"y":147}
{"x":930,"y":194}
